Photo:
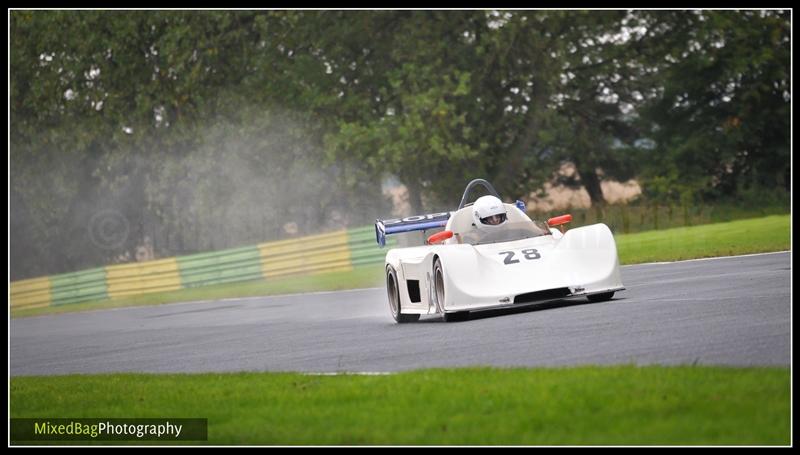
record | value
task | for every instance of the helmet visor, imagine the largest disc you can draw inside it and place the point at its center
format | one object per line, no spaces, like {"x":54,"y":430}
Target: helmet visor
{"x":494,"y":219}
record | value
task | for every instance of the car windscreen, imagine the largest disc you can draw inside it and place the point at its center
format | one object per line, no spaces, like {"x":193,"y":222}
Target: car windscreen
{"x":507,"y":232}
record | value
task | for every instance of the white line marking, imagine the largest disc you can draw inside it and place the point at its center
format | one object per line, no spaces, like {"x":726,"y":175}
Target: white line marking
{"x":341,"y":291}
{"x":710,"y":299}
{"x":707,"y":259}
{"x":234,"y":299}
{"x":349,"y":373}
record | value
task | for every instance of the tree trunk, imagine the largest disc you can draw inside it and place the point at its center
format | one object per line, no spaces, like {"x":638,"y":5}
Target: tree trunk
{"x":414,"y":196}
{"x":522,"y":146}
{"x":591,"y":182}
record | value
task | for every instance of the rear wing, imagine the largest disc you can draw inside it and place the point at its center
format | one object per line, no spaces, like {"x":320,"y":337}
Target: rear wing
{"x":412,"y":223}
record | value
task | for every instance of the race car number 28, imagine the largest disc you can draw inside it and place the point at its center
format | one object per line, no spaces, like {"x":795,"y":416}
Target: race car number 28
{"x":530,"y":254}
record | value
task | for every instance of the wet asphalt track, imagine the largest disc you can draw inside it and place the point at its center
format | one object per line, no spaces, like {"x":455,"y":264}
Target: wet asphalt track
{"x":727,"y":311}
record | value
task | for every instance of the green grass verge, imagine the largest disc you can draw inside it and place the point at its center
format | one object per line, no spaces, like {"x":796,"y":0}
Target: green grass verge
{"x":756,"y":235}
{"x":621,"y":405}
{"x":635,"y":217}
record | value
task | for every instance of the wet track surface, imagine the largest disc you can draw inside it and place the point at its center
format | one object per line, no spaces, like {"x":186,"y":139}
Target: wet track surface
{"x":725,"y":311}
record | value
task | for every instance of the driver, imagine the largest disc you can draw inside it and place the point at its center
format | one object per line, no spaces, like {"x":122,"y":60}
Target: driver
{"x":489,"y":213}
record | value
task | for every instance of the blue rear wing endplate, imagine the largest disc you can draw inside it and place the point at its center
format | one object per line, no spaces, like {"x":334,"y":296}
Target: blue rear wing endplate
{"x":409,"y":224}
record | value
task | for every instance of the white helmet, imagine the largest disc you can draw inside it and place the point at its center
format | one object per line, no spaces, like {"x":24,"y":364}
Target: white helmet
{"x":489,"y":213}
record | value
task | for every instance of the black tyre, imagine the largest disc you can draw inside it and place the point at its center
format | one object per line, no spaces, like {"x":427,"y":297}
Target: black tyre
{"x":600,"y":297}
{"x":393,"y":290}
{"x":438,"y":288}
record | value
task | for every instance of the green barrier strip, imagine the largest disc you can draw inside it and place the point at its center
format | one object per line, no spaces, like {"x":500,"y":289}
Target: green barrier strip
{"x":364,"y":249}
{"x":79,"y":287}
{"x":229,"y":266}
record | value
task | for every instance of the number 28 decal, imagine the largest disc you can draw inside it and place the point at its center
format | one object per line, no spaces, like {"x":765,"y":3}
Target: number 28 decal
{"x":529,"y":254}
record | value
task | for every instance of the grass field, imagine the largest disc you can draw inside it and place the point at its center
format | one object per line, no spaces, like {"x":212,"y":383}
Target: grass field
{"x":619,"y":405}
{"x":622,"y":405}
{"x":756,"y":235}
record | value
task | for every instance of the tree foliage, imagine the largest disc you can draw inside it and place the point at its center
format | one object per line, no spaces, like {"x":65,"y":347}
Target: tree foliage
{"x":720,"y":124}
{"x":202,"y":130}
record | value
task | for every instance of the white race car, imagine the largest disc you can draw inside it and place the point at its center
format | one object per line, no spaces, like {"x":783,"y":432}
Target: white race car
{"x":471,"y":266}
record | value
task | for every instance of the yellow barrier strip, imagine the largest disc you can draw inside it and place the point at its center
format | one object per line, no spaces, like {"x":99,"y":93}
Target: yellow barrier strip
{"x":313,"y":254}
{"x":31,"y":293}
{"x":143,"y":277}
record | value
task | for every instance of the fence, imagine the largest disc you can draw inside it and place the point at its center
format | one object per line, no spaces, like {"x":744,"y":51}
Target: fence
{"x":336,"y":251}
{"x":628,"y":219}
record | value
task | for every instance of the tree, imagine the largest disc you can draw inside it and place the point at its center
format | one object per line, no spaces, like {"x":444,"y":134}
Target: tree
{"x":161,"y":120}
{"x":180,"y":122}
{"x":721,"y":121}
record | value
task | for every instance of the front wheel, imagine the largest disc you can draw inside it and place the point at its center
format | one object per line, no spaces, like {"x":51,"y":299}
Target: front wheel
{"x":438,"y":288}
{"x":393,"y":289}
{"x":600,"y":297}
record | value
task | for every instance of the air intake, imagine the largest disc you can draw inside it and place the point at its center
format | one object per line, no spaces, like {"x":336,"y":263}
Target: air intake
{"x":548,"y":294}
{"x":413,"y":290}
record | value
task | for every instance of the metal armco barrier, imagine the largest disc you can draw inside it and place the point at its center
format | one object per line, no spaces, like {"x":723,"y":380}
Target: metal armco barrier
{"x":78,"y":287}
{"x":318,"y":253}
{"x":143,"y":277}
{"x":228,"y":266}
{"x":31,"y":293}
{"x":336,"y":251}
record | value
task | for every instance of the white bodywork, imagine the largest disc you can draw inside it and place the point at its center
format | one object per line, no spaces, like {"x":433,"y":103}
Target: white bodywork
{"x":581,"y":262}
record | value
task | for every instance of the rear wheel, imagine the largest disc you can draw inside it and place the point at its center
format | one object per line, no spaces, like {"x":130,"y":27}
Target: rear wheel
{"x":393,"y":290}
{"x":438,"y":287}
{"x":600,"y":297}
